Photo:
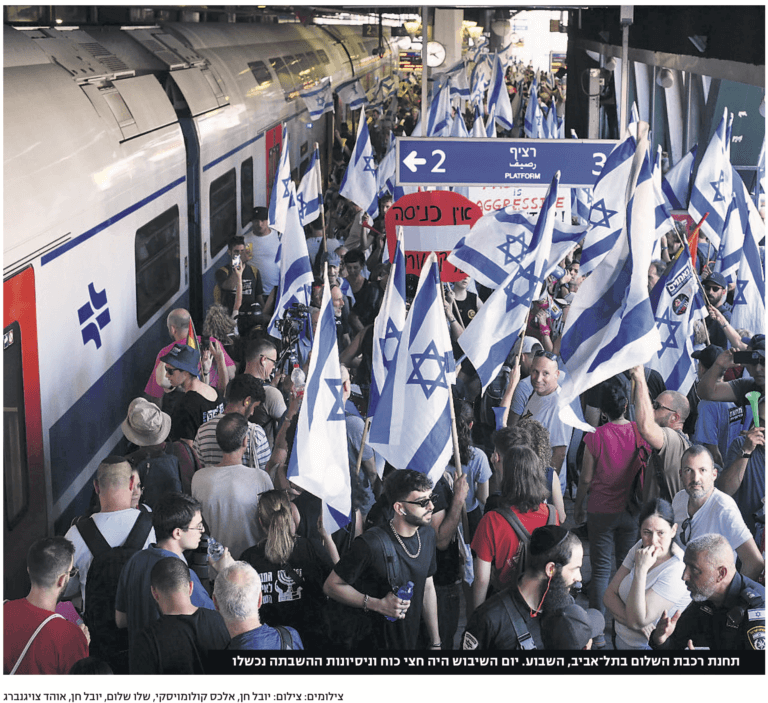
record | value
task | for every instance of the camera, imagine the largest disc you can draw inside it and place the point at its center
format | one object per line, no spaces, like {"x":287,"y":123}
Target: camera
{"x":746,"y":357}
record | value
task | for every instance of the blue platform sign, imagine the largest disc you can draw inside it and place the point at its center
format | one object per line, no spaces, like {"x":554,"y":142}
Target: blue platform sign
{"x":497,"y":162}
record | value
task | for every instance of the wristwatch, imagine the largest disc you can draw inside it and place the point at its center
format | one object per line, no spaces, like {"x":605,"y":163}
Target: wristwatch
{"x":746,"y":455}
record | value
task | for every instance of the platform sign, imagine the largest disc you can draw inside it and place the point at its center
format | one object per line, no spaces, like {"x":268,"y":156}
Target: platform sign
{"x":494,"y":162}
{"x":432,"y":221}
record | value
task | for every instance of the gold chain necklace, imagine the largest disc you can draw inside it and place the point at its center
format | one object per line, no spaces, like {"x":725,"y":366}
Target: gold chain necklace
{"x":397,"y":537}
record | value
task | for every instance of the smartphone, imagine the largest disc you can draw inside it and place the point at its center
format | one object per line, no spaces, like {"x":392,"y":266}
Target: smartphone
{"x":745,"y":357}
{"x":66,"y":609}
{"x":236,"y":260}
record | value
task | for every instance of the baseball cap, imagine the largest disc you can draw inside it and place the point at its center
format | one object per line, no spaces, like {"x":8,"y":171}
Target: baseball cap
{"x":708,"y":355}
{"x":717,"y":278}
{"x":260,"y":213}
{"x":571,"y":628}
{"x":530,"y":344}
{"x":183,"y":357}
{"x":757,"y":343}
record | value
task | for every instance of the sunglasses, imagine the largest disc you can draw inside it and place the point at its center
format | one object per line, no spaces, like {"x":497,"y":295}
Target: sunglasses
{"x":550,"y":355}
{"x":685,"y":531}
{"x":424,"y":502}
{"x":656,"y":405}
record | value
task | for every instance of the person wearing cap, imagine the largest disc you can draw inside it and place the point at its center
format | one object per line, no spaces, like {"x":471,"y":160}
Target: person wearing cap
{"x":264,"y":242}
{"x":716,"y":288}
{"x":148,"y":427}
{"x":511,"y":619}
{"x":713,"y":387}
{"x":200,"y":402}
{"x":718,"y":423}
{"x":238,"y":284}
{"x":572,"y":628}
{"x":649,"y":581}
{"x":314,"y":236}
{"x":743,"y":477}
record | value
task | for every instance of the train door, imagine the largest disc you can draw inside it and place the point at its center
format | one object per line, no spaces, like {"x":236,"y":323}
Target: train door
{"x":274,"y":146}
{"x":25,"y":496}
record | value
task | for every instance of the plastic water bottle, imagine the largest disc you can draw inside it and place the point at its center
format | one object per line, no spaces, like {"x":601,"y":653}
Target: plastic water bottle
{"x":299,"y":380}
{"x":403,"y":593}
{"x":215,"y":549}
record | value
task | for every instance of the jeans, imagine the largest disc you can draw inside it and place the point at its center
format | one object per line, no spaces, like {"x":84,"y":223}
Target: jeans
{"x":448,"y":606}
{"x":610,"y":534}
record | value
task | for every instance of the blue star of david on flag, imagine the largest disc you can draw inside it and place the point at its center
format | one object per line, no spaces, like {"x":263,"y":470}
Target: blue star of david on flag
{"x":607,"y":214}
{"x":337,"y":410}
{"x":526,"y":274}
{"x":370,"y":165}
{"x":391,"y":333}
{"x":506,"y":248}
{"x":286,"y":184}
{"x":303,"y":207}
{"x":670,"y":342}
{"x":716,"y":185}
{"x":739,"y":296}
{"x":417,"y":378}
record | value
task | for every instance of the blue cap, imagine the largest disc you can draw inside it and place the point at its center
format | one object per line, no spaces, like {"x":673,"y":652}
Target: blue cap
{"x":183,"y":357}
{"x":717,"y":278}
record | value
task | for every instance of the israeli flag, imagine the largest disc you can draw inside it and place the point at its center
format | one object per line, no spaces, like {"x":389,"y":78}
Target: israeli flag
{"x":440,"y":112}
{"x":319,"y":462}
{"x":281,"y":189}
{"x":749,"y":300}
{"x":387,"y":170}
{"x":481,"y":45}
{"x":478,"y":126}
{"x":610,"y":326}
{"x":713,"y":185}
{"x":310,"y":193}
{"x":498,"y":98}
{"x":677,"y":303}
{"x":609,"y":205}
{"x":456,"y":77}
{"x":481,"y":79}
{"x":549,"y":124}
{"x":412,"y":425}
{"x":489,"y":338}
{"x":319,"y":100}
{"x":459,"y":127}
{"x":677,"y":182}
{"x":296,"y":278}
{"x":490,"y":125}
{"x":499,"y":241}
{"x":533,"y":116}
{"x":506,"y":55}
{"x":664,"y":221}
{"x":389,"y":323}
{"x":581,"y":203}
{"x":359,"y":182}
{"x":352,"y":94}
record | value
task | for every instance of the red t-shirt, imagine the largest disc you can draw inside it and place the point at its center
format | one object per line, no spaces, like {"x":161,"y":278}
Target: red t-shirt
{"x":495,"y":541}
{"x":55,"y":649}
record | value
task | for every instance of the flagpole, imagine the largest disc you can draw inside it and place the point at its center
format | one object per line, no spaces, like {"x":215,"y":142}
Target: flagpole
{"x":695,"y":272}
{"x":322,"y":209}
{"x":362,"y":445}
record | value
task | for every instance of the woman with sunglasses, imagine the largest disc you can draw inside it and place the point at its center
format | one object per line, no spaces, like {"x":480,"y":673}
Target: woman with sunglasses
{"x":607,"y":473}
{"x":649,"y":581}
{"x":292,"y":570}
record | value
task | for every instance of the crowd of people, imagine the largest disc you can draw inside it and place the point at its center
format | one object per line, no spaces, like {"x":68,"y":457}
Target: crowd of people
{"x":197,"y":541}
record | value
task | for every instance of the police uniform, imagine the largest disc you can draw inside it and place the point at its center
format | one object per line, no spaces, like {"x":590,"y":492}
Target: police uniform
{"x":739,"y":623}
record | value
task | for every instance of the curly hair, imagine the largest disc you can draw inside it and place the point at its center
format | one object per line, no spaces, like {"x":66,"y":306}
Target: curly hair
{"x":218,"y":323}
{"x":539,"y":440}
{"x":464,"y":417}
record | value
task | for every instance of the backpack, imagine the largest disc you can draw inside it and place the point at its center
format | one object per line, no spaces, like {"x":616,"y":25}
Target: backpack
{"x":107,"y":641}
{"x":523,"y":536}
{"x":286,"y":640}
{"x":492,"y":398}
{"x":160,"y":473}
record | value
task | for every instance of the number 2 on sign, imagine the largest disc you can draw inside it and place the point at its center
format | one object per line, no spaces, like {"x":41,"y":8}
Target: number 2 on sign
{"x":437,"y":168}
{"x":599,"y":158}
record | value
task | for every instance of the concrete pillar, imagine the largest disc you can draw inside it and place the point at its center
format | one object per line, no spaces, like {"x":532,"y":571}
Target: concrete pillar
{"x":448,"y":30}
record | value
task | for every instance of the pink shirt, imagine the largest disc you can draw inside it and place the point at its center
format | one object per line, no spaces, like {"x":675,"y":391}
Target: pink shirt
{"x":154,"y":390}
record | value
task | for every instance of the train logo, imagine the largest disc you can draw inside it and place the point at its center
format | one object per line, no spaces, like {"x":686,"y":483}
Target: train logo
{"x":92,"y":331}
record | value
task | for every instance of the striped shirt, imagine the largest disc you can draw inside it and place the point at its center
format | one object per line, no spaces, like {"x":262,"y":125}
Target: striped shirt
{"x":257,"y":451}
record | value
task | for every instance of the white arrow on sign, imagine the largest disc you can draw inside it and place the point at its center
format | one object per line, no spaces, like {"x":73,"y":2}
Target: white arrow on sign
{"x":412,"y":161}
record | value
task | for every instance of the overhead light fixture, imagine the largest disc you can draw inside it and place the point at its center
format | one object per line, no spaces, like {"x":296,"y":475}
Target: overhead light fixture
{"x":666,"y":78}
{"x":500,"y":27}
{"x":475,"y":32}
{"x":610,"y":64}
{"x":700,"y":42}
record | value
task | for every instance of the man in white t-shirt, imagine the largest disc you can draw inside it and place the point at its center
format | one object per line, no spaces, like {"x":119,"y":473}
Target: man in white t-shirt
{"x":700,"y":509}
{"x":264,"y":242}
{"x":543,"y":406}
{"x":115,"y":519}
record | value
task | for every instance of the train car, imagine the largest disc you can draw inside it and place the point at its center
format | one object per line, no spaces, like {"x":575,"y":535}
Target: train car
{"x":132,"y":155}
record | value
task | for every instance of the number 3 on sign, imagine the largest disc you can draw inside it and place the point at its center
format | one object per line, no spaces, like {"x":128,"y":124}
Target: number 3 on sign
{"x":599,"y":158}
{"x":437,"y":168}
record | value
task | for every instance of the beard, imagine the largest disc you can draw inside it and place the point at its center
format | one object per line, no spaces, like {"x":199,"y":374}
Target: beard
{"x":559,"y":594}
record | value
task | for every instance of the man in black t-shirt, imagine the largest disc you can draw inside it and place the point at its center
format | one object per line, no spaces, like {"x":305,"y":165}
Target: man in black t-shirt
{"x":227,"y":283}
{"x":179,"y":642}
{"x":363,"y":578}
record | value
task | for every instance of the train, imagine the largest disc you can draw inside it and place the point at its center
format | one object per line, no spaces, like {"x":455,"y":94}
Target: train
{"x":131,"y":156}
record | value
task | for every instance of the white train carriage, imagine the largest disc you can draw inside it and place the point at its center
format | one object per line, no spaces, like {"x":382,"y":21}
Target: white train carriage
{"x":131,"y":156}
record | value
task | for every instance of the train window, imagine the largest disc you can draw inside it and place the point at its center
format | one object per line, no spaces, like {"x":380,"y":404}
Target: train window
{"x":284,"y":74}
{"x":260,"y":72}
{"x":14,"y":428}
{"x":246,"y":192}
{"x":157,"y":263}
{"x":223,"y":204}
{"x":323,"y":57}
{"x":307,"y":67}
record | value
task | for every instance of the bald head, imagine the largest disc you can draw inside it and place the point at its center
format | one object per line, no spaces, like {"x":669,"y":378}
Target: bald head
{"x":113,"y":473}
{"x":178,"y":323}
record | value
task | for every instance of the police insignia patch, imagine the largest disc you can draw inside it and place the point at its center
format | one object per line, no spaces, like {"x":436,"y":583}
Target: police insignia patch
{"x":757,"y":638}
{"x":470,"y":641}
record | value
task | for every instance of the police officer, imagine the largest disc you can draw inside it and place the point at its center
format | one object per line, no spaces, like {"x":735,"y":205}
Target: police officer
{"x":728,"y":609}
